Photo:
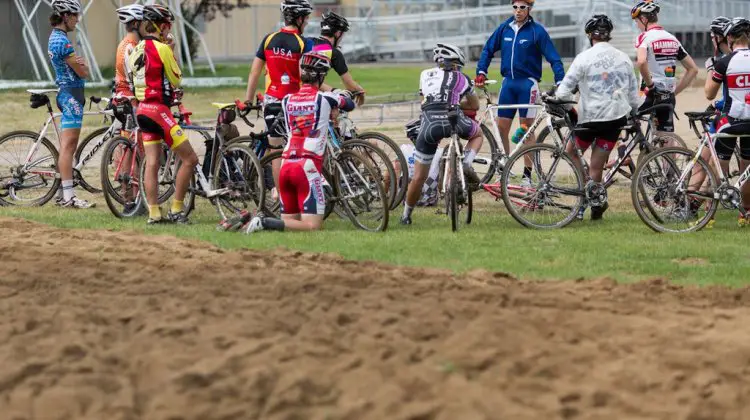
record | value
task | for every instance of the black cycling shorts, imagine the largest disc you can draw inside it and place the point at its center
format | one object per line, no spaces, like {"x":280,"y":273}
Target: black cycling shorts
{"x":664,"y":117}
{"x":273,"y":115}
{"x":725,"y":146}
{"x":603,"y":134}
{"x":434,"y":126}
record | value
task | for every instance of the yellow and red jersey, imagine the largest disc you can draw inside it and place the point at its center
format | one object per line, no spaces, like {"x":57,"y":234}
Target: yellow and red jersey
{"x":154,"y":71}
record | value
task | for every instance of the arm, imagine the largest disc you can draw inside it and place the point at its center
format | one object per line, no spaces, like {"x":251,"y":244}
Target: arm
{"x":711,"y":89}
{"x":551,"y":55}
{"x":633,"y":98}
{"x":689,"y":76}
{"x":339,"y":102}
{"x":171,"y":68}
{"x":353,"y":86}
{"x":716,"y":77}
{"x":78,"y":65}
{"x":641,"y":64}
{"x":470,"y":102}
{"x":493,"y":45}
{"x":569,"y":82}
{"x":252,"y":78}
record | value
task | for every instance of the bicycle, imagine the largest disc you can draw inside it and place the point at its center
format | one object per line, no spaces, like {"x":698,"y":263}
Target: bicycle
{"x":562,"y":200}
{"x":234,"y":182}
{"x":454,"y":189}
{"x":665,"y":197}
{"x":35,"y":170}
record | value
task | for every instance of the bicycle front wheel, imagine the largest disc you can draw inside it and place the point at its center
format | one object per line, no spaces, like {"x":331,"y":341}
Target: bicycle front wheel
{"x":241,"y":174}
{"x":380,"y":162}
{"x":667,"y":205}
{"x":546,"y":195}
{"x":91,"y":150}
{"x":27,"y":180}
{"x":119,"y":177}
{"x":395,"y":155}
{"x":361,"y":193}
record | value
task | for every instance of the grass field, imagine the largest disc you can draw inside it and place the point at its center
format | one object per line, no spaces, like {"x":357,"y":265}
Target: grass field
{"x":620,"y":247}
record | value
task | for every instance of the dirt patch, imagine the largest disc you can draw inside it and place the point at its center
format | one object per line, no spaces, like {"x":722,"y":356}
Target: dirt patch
{"x":106,"y":325}
{"x":691,"y":261}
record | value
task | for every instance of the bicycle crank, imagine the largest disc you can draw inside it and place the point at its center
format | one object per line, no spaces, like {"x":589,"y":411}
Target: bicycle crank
{"x":596,"y":194}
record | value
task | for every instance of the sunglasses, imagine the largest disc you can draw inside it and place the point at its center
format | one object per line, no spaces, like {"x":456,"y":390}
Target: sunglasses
{"x":521,"y":7}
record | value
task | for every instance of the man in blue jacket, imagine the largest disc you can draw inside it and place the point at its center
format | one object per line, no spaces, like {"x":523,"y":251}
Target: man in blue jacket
{"x":522,"y":42}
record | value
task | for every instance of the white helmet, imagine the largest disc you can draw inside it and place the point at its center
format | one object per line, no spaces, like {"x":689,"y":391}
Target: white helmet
{"x":130,"y":13}
{"x":66,"y":6}
{"x":448,"y":52}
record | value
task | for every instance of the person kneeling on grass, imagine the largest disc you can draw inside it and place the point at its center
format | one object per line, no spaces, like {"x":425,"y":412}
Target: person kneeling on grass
{"x":306,"y":116}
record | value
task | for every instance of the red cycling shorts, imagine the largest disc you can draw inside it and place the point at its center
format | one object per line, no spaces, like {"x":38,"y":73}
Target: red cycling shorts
{"x":301,"y":187}
{"x":157,"y":123}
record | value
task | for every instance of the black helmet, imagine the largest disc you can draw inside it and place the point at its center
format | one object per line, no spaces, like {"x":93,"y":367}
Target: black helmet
{"x":158,"y":14}
{"x":293,"y":9}
{"x":331,"y":22}
{"x":737,"y":27}
{"x":719,"y":25}
{"x":599,"y":25}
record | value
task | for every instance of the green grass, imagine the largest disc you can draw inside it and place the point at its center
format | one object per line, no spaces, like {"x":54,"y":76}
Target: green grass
{"x":619,"y":247}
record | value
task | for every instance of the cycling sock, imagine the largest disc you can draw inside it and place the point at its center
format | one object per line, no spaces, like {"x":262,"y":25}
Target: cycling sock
{"x":177,"y":206}
{"x":527,"y":172}
{"x":68,"y":191}
{"x":407,"y":210}
{"x":154,"y":212}
{"x":272,"y":223}
{"x":469,"y":156}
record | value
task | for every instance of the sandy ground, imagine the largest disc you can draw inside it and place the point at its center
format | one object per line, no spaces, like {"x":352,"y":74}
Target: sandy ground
{"x":105,"y":325}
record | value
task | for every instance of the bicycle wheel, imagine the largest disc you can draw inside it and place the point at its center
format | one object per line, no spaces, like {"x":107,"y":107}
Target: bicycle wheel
{"x":271,"y":199}
{"x":119,"y":168}
{"x":561,"y":132}
{"x":166,"y":176}
{"x":487,"y":170}
{"x":239,"y":171}
{"x":90,"y":149}
{"x":38,"y":183}
{"x":549,"y":198}
{"x":360,"y":192}
{"x":391,"y":148}
{"x":666,"y":205}
{"x":380,"y":162}
{"x":453,"y":190}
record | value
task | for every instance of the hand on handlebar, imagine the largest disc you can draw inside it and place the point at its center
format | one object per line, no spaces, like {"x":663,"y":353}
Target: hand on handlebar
{"x":480,"y":79}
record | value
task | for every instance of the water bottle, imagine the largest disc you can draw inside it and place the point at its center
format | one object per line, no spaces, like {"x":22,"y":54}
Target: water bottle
{"x":520,"y":132}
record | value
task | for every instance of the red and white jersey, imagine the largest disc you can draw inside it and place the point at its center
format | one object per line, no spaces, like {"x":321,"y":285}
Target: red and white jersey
{"x":733,"y":71}
{"x":306,"y":115}
{"x":664,"y":51}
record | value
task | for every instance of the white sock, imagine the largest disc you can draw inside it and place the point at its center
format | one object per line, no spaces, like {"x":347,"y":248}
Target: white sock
{"x":469,"y":156}
{"x":67,"y":188}
{"x":407,"y":210}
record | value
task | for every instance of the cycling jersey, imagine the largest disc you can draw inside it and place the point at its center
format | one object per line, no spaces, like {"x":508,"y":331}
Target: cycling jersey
{"x":282,"y":51}
{"x":664,"y":51}
{"x":59,"y":49}
{"x":733,"y":72}
{"x":122,"y":80}
{"x":338,"y":62}
{"x":438,"y":86}
{"x":609,"y":89}
{"x":306,"y":117}
{"x":154,"y":71}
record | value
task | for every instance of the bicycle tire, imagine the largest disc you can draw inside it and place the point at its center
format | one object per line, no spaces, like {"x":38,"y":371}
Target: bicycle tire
{"x":247,"y":184}
{"x":366,"y":150}
{"x":386,"y":144}
{"x":510,"y":192}
{"x":366,"y":177}
{"x":114,"y":198}
{"x":638,"y":186}
{"x":494,"y":153}
{"x":557,"y":124}
{"x":80,"y":179}
{"x":452,"y":193}
{"x":51,"y":161}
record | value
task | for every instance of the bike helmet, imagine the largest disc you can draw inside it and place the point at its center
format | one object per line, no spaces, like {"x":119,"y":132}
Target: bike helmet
{"x":737,"y":27}
{"x":66,"y":6}
{"x":293,"y":9}
{"x":599,"y":25}
{"x":330,"y":23}
{"x":529,"y":2}
{"x":644,"y":7}
{"x":130,"y":13}
{"x":719,"y":25}
{"x":157,"y":14}
{"x":448,"y":52}
{"x":315,"y":62}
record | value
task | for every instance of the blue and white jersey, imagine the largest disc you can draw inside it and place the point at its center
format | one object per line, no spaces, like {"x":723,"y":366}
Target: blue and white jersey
{"x":59,"y":49}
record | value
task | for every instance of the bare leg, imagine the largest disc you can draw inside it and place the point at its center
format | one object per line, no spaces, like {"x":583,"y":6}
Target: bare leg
{"x":421,"y":171}
{"x":68,"y":145}
{"x":531,"y":139}
{"x":302,"y":223}
{"x":503,"y":125}
{"x":276,"y":163}
{"x":599,"y":158}
{"x":150,"y":177}
{"x":189,"y":160}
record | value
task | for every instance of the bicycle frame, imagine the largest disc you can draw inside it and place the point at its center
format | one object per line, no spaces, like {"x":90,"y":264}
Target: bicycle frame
{"x":454,"y":144}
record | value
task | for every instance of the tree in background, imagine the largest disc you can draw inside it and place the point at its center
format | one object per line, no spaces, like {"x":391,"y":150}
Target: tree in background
{"x":195,"y":11}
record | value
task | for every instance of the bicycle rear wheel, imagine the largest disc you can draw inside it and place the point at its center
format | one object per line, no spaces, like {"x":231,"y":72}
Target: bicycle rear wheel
{"x":166,"y":175}
{"x":119,"y":178}
{"x":664,"y":204}
{"x":271,"y":199}
{"x":380,"y":162}
{"x":394,"y":153}
{"x":38,"y":183}
{"x":239,"y":171}
{"x":550,"y":196}
{"x":360,"y":191}
{"x":90,"y":148}
{"x":487,"y":170}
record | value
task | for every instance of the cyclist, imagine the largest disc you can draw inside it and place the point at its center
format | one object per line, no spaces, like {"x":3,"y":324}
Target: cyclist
{"x":70,"y":72}
{"x":130,"y":16}
{"x":332,"y":30}
{"x":443,"y":87}
{"x":522,"y":42}
{"x":608,"y":94}
{"x":657,"y":54}
{"x":429,"y":195}
{"x":156,"y":74}
{"x":733,"y":72}
{"x":306,"y":116}
{"x":279,"y":53}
